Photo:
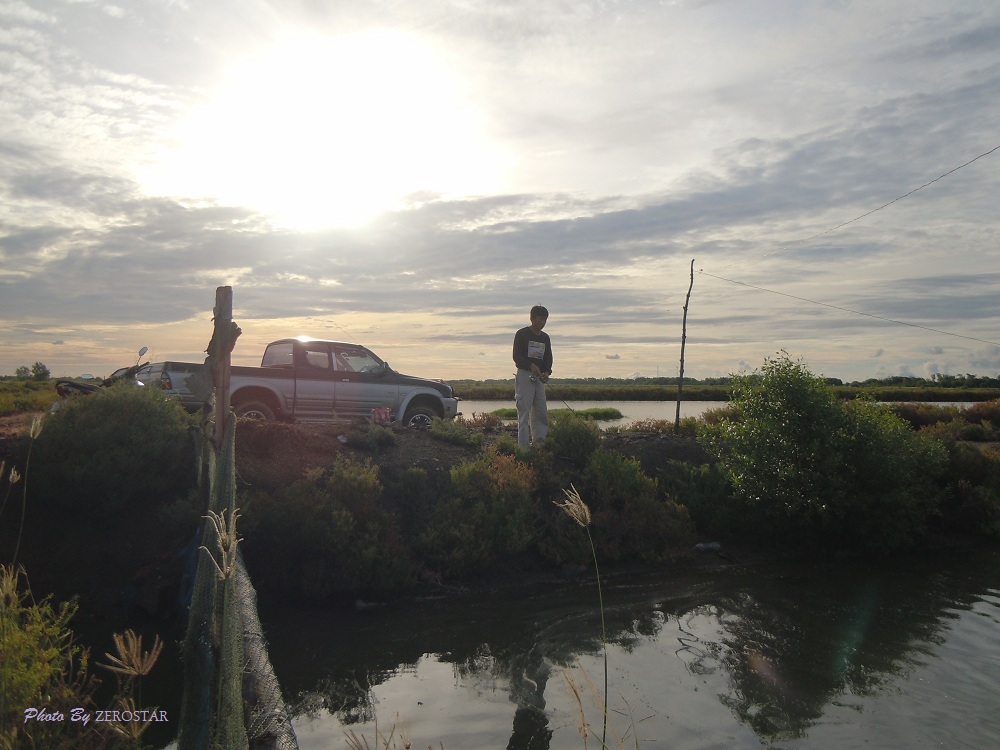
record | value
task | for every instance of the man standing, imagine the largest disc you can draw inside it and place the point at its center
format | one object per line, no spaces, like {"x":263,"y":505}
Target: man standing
{"x":533,"y":357}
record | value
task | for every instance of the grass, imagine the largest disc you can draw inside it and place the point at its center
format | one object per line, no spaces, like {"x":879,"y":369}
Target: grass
{"x":26,"y":396}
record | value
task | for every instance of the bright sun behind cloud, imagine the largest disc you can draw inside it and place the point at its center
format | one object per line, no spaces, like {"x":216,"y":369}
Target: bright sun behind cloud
{"x":321,"y":131}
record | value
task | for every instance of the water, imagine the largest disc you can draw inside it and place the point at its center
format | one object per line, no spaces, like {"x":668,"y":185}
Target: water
{"x":906,"y":654}
{"x":633,"y":411}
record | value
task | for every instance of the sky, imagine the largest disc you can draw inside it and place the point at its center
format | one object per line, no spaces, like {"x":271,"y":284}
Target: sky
{"x":414,"y":176}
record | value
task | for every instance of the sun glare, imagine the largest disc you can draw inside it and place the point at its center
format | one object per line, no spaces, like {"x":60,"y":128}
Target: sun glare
{"x":322,"y":131}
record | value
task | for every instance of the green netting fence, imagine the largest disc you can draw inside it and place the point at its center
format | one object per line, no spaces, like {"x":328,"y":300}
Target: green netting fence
{"x":231,"y":699}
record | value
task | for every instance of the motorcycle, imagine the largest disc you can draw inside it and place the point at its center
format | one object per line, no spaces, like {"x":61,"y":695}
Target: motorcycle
{"x":82,"y":387}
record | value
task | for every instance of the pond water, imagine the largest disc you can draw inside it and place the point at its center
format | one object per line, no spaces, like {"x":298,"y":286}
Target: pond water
{"x":633,"y":411}
{"x":905,"y":654}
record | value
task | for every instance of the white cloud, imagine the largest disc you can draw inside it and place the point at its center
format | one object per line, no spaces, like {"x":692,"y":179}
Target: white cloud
{"x":635,"y":137}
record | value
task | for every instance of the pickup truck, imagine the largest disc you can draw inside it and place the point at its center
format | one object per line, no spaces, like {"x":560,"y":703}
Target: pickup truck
{"x":312,"y":380}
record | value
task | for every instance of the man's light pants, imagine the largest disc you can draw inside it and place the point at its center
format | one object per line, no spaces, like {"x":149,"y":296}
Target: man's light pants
{"x":532,"y":411}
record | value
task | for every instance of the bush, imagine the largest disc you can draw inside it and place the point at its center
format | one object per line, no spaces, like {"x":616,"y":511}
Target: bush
{"x":490,"y":515}
{"x":960,"y":429}
{"x":573,"y":439}
{"x":983,"y":412}
{"x":455,"y":432}
{"x":120,"y":447}
{"x":824,"y":475}
{"x":972,"y":501}
{"x":707,"y":493}
{"x":631,"y":519}
{"x":919,"y":415}
{"x":482,"y":421}
{"x":372,"y":438}
{"x":324,"y":535}
{"x":37,"y":658}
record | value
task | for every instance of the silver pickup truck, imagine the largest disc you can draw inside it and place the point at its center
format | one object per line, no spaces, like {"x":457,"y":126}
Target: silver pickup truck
{"x":311,"y":380}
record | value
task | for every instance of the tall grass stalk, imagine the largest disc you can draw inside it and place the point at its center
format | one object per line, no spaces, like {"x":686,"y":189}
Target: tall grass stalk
{"x":130,"y":665}
{"x":36,"y":428}
{"x":575,"y":508}
{"x":576,"y":686}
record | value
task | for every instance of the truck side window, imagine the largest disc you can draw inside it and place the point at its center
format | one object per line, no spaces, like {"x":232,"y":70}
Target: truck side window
{"x":356,"y":360}
{"x":278,"y":355}
{"x":317,"y":358}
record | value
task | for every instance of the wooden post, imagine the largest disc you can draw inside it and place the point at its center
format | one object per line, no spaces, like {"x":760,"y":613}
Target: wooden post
{"x":680,"y":379}
{"x":220,"y":350}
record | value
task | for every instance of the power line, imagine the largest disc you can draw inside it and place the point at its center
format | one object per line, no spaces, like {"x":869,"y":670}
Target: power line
{"x":867,"y":213}
{"x":848,"y":310}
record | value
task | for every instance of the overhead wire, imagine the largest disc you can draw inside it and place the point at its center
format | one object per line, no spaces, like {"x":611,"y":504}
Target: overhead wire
{"x":867,"y":213}
{"x":842,"y":225}
{"x":849,"y":310}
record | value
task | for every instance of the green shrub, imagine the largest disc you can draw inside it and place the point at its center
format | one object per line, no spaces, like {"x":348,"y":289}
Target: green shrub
{"x":919,"y":415}
{"x":372,"y":438}
{"x":984,"y":411}
{"x":455,"y":432}
{"x":821,"y":474}
{"x":40,"y":665}
{"x":120,"y":447}
{"x":483,"y":421}
{"x":960,"y":429}
{"x":651,"y":426}
{"x":707,"y":493}
{"x":972,"y":498}
{"x":573,"y":439}
{"x":507,"y":444}
{"x":631,"y":518}
{"x":490,"y":516}
{"x":326,"y":534}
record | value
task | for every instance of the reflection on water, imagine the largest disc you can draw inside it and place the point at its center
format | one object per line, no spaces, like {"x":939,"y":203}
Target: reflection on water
{"x":905,"y":655}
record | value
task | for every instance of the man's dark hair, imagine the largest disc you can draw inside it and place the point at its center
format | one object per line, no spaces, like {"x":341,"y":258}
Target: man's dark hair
{"x":539,"y":312}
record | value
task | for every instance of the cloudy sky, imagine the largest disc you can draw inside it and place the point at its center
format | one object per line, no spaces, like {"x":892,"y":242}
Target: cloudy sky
{"x":415,"y":175}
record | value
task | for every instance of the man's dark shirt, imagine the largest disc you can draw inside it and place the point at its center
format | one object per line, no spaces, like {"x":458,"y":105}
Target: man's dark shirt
{"x":532,"y":348}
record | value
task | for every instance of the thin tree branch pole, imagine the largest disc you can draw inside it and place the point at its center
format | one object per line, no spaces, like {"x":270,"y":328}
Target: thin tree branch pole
{"x":684,"y":327}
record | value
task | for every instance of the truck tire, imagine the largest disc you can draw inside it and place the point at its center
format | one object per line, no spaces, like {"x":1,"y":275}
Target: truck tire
{"x":419,"y":417}
{"x":255,"y":410}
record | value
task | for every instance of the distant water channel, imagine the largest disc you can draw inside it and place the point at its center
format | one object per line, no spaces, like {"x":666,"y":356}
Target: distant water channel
{"x":904,"y":654}
{"x":633,"y":411}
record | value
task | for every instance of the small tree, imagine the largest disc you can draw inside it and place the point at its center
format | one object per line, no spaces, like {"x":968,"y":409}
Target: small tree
{"x":22,"y":373}
{"x":821,"y":474}
{"x":39,"y":371}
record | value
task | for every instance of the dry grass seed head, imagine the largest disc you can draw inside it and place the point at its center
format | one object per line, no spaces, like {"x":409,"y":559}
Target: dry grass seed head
{"x":574,"y":507}
{"x":226,"y":541}
{"x":131,"y":730}
{"x":131,"y":661}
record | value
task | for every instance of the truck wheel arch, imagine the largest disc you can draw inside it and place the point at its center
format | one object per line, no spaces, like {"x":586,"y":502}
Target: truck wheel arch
{"x":420,"y":411}
{"x":256,"y":403}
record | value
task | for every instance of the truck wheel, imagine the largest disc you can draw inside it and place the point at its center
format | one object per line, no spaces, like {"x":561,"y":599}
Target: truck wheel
{"x":255,"y":410}
{"x":419,"y":417}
